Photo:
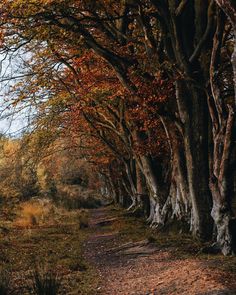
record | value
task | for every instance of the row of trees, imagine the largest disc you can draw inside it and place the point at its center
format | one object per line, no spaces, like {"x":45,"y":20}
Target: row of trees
{"x":146,"y":91}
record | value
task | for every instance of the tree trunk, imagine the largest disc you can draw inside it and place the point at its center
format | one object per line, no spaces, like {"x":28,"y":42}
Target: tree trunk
{"x":124,"y":199}
{"x":229,"y":8}
{"x":105,"y":186}
{"x":142,"y":195}
{"x":177,"y":205}
{"x":155,"y":194}
{"x":186,"y":25}
{"x":114,"y":188}
{"x":221,"y":184}
{"x":192,"y":105}
{"x":133,"y":190}
{"x":221,"y":181}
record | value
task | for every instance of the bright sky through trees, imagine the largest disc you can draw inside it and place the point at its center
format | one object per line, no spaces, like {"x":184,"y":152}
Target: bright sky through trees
{"x":13,"y":121}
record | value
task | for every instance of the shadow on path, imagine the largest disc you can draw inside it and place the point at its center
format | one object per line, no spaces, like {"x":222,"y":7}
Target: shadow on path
{"x":141,"y":268}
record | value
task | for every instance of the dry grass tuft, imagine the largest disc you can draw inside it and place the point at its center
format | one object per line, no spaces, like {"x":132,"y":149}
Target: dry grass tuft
{"x":45,"y":281}
{"x":34,"y":213}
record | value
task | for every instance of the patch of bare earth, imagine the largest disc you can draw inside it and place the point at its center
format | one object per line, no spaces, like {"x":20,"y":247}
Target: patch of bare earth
{"x":141,"y":268}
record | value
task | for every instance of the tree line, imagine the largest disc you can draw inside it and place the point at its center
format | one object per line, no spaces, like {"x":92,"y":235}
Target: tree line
{"x":146,"y":91}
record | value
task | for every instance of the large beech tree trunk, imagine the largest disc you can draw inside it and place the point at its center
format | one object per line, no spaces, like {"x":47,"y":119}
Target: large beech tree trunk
{"x":221,"y":181}
{"x":156,"y":196}
{"x":178,"y":204}
{"x":155,"y":201}
{"x":186,"y":26}
{"x":192,"y":105}
{"x":113,"y":185}
{"x":221,"y":184}
{"x":142,"y":196}
{"x":132,"y":185}
{"x":229,"y":8}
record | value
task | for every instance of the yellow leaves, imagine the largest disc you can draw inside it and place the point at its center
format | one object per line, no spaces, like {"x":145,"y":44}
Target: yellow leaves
{"x":9,"y":148}
{"x":29,"y":8}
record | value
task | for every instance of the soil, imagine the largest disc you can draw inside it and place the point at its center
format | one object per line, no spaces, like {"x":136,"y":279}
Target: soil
{"x":141,"y":267}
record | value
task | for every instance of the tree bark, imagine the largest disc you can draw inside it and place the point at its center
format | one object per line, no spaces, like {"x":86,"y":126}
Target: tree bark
{"x":221,"y":181}
{"x":133,"y":190}
{"x":114,"y":189}
{"x":192,"y":105}
{"x":177,"y":205}
{"x":156,"y":197}
{"x":142,"y":196}
{"x":229,"y":8}
{"x":187,"y":27}
{"x":221,"y":184}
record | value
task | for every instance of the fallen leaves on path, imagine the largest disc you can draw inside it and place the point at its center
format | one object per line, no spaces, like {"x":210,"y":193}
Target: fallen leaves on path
{"x":141,"y":268}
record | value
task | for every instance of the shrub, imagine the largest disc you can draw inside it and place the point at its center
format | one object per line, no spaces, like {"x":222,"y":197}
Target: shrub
{"x":29,"y":215}
{"x":33,"y":213}
{"x":80,"y":202}
{"x":45,"y":282}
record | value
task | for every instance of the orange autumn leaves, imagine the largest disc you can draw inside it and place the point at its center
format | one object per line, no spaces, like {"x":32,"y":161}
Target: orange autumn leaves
{"x":101,"y":97}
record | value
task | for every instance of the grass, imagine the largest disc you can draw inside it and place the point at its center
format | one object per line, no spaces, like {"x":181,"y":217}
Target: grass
{"x":135,"y":229}
{"x":58,"y":245}
{"x":130,"y":227}
{"x":181,"y":245}
{"x":45,"y":281}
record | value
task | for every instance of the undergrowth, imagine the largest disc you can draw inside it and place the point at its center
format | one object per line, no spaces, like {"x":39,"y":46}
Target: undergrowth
{"x":45,"y":281}
{"x":56,"y":242}
{"x":5,"y":281}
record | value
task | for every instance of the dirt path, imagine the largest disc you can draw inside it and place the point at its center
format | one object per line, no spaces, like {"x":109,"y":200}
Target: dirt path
{"x":141,"y":268}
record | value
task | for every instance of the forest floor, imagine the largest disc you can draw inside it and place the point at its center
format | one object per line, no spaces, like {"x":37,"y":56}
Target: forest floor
{"x":132,"y":259}
{"x":54,"y":249}
{"x":116,"y":254}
